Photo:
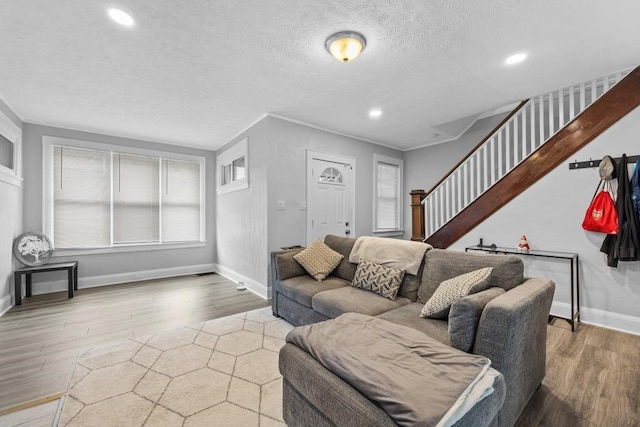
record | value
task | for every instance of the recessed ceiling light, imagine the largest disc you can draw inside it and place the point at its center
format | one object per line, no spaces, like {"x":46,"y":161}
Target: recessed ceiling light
{"x":121,"y":17}
{"x":514,"y":59}
{"x":374,"y":114}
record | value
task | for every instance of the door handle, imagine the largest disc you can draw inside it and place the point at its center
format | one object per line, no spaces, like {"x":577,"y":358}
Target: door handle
{"x":347,"y":232}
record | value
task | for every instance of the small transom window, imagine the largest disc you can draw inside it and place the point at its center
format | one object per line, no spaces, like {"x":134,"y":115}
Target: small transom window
{"x":330,"y":176}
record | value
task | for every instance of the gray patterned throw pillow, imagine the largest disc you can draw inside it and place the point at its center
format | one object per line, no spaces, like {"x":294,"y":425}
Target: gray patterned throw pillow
{"x":377,"y":278}
{"x":449,"y":291}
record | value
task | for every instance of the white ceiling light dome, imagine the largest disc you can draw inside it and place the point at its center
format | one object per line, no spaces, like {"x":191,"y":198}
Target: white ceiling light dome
{"x":345,"y":46}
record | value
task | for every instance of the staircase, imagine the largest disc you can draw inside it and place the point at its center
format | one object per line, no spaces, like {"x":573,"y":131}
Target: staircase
{"x":534,"y":139}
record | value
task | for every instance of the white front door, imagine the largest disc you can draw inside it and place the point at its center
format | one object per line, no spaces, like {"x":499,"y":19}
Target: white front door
{"x":330,"y":197}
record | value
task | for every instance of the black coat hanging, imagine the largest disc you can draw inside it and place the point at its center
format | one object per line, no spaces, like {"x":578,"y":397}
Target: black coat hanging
{"x":624,"y":246}
{"x":635,"y":188}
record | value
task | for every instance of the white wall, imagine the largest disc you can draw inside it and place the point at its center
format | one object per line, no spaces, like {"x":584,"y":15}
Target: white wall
{"x":287,"y":150}
{"x":248,"y":223}
{"x":241,"y":218}
{"x":550,"y":213}
{"x":11,"y":220}
{"x":100,"y":269}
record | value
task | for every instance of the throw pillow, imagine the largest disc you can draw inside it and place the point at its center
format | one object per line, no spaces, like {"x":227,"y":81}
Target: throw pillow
{"x":318,"y":259}
{"x":449,"y":291}
{"x":377,"y":278}
{"x":464,"y":317}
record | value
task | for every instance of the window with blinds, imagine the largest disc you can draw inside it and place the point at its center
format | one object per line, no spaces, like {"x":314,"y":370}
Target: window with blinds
{"x":81,"y":193}
{"x":108,"y":198}
{"x":388,"y":211}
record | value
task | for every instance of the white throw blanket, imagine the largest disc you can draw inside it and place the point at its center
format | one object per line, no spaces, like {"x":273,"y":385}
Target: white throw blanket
{"x":403,"y":254}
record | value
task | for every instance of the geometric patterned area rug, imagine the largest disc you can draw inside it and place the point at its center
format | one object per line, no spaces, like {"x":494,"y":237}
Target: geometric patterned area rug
{"x":223,"y":372}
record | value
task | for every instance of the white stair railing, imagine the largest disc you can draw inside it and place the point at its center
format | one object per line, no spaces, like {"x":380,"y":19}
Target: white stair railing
{"x":539,"y":119}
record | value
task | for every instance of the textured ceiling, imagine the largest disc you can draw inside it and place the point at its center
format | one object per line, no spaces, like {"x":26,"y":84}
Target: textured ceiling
{"x":198,"y":72}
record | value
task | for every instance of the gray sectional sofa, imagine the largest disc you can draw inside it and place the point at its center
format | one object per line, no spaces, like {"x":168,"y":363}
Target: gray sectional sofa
{"x":506,"y":323}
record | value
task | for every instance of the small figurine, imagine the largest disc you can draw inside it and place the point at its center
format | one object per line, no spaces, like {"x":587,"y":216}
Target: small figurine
{"x":523,"y":246}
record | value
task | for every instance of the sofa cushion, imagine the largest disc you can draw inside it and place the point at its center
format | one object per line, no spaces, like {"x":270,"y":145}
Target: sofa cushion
{"x":376,"y":278}
{"x":410,"y":284}
{"x":449,"y":291}
{"x":465,"y":315}
{"x":409,"y":315}
{"x":349,"y":299}
{"x":346,"y":270}
{"x":286,"y":266}
{"x":318,"y":259}
{"x":442,"y":264}
{"x":301,"y":289}
{"x":343,"y":245}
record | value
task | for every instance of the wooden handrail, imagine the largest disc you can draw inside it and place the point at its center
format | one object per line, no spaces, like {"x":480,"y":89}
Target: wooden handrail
{"x":478,"y":145}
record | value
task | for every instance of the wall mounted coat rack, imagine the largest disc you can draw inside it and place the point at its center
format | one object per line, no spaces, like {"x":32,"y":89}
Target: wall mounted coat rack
{"x":596,"y":163}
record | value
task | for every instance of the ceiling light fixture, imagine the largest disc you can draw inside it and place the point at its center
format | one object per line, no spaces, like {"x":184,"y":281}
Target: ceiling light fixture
{"x":345,"y":46}
{"x":121,"y":17}
{"x":514,"y":59}
{"x":374,"y":114}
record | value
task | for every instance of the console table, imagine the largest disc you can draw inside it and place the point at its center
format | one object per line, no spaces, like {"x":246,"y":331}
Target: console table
{"x":574,"y":260}
{"x":70,"y":267}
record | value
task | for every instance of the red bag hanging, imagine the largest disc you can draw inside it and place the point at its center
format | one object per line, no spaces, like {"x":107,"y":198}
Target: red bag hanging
{"x":601,"y":215}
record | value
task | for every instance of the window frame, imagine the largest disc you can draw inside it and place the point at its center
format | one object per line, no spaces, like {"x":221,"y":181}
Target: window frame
{"x":399,"y":230}
{"x":48,"y":142}
{"x":227,"y":158}
{"x":13,"y":134}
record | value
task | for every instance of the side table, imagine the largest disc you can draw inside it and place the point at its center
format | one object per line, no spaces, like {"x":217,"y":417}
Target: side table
{"x":72,"y":277}
{"x":574,"y":266}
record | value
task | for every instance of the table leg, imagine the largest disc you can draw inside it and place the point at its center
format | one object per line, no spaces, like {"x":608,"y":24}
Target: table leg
{"x":28,"y":287}
{"x":75,"y":277}
{"x":578,"y":285}
{"x":70,"y":281}
{"x":17,"y":279}
{"x":573,"y":312}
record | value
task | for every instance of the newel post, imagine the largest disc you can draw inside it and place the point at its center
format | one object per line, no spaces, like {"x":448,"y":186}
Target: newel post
{"x":417,"y":215}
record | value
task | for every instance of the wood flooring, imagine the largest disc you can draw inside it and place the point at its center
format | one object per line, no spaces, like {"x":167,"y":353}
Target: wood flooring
{"x":592,"y":380}
{"x":41,"y":339}
{"x":593,"y":374}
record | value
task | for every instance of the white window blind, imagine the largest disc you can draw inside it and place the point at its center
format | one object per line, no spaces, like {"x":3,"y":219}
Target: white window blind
{"x":107,"y":198}
{"x":387,"y":215}
{"x":136,"y":199}
{"x":81,"y":197}
{"x":180,"y":201}
{"x":388,"y":194}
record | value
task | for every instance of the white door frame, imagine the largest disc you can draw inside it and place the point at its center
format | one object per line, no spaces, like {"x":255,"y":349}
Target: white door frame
{"x":319,"y":155}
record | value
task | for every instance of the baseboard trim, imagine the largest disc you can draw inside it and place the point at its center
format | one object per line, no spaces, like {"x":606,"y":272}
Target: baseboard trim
{"x":5,"y":304}
{"x":114,"y":279}
{"x":252,"y":285}
{"x":597,"y":317}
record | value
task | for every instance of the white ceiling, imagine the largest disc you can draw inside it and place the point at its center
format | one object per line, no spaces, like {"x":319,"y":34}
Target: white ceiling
{"x":198,"y":72}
